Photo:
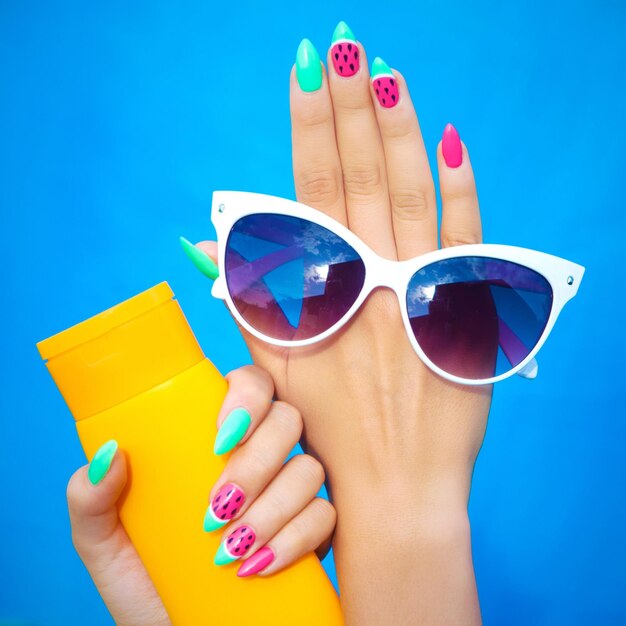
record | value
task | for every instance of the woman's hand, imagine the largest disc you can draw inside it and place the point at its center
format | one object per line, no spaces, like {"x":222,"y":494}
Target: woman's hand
{"x":397,"y":441}
{"x":281,"y":520}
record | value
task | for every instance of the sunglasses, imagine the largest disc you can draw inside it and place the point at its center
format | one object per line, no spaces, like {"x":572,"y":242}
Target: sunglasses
{"x":475,"y":314}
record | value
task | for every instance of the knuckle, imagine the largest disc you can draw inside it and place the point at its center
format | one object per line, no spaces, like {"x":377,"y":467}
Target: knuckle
{"x":288,"y":417}
{"x":326,"y":510}
{"x":73,"y":491}
{"x":309,"y":469}
{"x":303,"y":530}
{"x":459,"y":238}
{"x":319,"y":187}
{"x":254,"y":381}
{"x":410,"y":204}
{"x":362,"y":180}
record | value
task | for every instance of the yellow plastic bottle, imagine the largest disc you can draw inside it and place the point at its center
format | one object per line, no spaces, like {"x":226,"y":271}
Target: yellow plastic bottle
{"x":135,"y":373}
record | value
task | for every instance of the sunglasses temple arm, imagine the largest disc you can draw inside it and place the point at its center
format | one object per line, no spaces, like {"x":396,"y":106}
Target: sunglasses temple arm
{"x":529,"y":370}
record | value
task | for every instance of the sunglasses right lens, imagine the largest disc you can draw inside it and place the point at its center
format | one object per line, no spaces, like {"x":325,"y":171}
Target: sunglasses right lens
{"x":289,"y":278}
{"x":478,"y":317}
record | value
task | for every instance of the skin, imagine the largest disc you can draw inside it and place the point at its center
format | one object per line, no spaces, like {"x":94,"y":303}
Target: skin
{"x":281,"y":503}
{"x":398,"y":442}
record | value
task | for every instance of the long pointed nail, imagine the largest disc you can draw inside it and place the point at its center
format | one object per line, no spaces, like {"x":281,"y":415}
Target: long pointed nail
{"x":257,"y":562}
{"x":385,"y":84}
{"x":344,"y":51}
{"x":308,"y":67}
{"x":224,"y":506}
{"x":101,"y":461}
{"x":232,"y":430}
{"x":235,"y":545}
{"x":451,"y":147}
{"x":200,"y":259}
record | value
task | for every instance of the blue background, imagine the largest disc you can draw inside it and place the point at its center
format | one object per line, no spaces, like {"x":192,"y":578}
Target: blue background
{"x":118,"y":121}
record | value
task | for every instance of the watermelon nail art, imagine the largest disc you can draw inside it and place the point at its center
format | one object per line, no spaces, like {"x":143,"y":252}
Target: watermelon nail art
{"x":225,"y":505}
{"x":235,"y":545}
{"x":344,"y":51}
{"x":385,"y":84}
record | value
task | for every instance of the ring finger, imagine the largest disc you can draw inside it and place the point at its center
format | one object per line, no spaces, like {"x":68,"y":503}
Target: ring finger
{"x":294,"y":487}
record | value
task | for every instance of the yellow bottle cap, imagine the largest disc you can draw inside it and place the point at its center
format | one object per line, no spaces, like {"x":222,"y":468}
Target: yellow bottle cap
{"x":121,"y":352}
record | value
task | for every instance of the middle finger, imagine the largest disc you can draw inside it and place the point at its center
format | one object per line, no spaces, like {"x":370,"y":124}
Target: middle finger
{"x":360,"y":145}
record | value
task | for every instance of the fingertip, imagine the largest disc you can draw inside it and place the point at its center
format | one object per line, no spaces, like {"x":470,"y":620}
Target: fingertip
{"x":209,"y":248}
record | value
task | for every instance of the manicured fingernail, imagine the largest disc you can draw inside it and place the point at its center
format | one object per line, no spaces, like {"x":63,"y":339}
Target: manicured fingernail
{"x":101,"y":461}
{"x":235,"y":545}
{"x":451,"y":147}
{"x":257,"y":562}
{"x":385,"y":84}
{"x":308,"y":67}
{"x":344,"y":51}
{"x":232,"y":430}
{"x":201,"y":260}
{"x":225,"y":505}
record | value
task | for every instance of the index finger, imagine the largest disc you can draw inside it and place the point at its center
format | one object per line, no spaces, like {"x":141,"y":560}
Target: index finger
{"x":247,"y":401}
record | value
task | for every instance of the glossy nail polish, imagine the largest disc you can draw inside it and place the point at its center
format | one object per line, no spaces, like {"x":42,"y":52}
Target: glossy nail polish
{"x":385,"y":84}
{"x":101,"y":462}
{"x":451,"y":147}
{"x":232,"y":430}
{"x":201,"y":260}
{"x":235,"y":545}
{"x":344,"y":51}
{"x":257,"y":562}
{"x":308,"y":67}
{"x":224,"y":506}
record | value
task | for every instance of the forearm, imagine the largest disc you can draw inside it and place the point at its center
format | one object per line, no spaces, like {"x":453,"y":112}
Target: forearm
{"x":403,"y":554}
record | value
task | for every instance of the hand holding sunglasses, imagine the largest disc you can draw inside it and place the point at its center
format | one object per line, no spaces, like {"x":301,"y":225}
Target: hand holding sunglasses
{"x":385,"y":343}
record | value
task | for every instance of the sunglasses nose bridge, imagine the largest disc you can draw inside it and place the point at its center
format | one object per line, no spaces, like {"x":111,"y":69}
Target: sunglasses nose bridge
{"x":388,"y":273}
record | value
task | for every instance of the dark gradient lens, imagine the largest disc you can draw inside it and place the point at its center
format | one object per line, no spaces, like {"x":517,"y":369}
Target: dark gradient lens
{"x":478,"y":317}
{"x":290,"y":278}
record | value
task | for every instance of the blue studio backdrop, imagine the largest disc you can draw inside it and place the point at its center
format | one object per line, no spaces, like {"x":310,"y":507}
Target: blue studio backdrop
{"x":118,"y":120}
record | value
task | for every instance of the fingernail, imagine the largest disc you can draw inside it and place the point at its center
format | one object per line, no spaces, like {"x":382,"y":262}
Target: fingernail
{"x":232,"y":430}
{"x":451,"y":147}
{"x":201,"y":260}
{"x":101,"y":461}
{"x":257,"y":562}
{"x":308,"y":67}
{"x":344,"y":51}
{"x":225,"y":505}
{"x":235,"y":545}
{"x":385,"y":84}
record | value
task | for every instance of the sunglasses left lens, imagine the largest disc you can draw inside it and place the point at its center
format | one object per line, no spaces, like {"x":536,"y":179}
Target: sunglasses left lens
{"x":290,"y":278}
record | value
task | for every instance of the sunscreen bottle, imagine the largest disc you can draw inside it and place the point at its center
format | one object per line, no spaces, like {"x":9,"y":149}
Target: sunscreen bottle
{"x":135,"y":373}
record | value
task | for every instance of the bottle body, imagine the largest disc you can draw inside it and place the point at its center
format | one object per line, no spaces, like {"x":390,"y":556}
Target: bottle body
{"x":167,"y":432}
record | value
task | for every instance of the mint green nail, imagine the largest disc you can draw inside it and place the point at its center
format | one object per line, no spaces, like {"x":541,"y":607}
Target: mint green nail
{"x":222,"y":557}
{"x":343,"y":31}
{"x":201,"y":260}
{"x":380,"y":67}
{"x":232,"y":430}
{"x":308,"y":67}
{"x":101,"y":461}
{"x":210,"y":523}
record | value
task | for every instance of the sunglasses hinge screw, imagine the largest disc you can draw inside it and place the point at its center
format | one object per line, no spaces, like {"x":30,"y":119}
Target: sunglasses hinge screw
{"x":570,"y":280}
{"x":221,"y":208}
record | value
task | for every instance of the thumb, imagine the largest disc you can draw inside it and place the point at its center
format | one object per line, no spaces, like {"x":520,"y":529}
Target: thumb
{"x":92,"y":494}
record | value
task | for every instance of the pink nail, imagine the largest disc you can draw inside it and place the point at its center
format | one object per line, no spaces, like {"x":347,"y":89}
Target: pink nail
{"x":451,"y":147}
{"x":345,"y":56}
{"x":239,"y":541}
{"x":257,"y":562}
{"x":226,"y":503}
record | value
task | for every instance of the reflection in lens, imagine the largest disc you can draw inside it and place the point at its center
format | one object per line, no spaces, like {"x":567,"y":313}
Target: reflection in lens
{"x":477,"y":317}
{"x":289,"y":278}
